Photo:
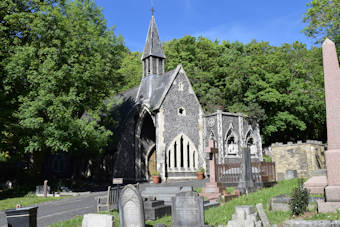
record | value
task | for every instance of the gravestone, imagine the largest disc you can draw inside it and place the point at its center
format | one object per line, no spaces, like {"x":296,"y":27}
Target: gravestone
{"x":102,"y":220}
{"x":244,"y":216}
{"x":187,"y":210}
{"x":332,"y":94}
{"x":291,"y":174}
{"x":246,"y":183}
{"x":3,"y":219}
{"x":131,"y":210}
{"x":212,"y":189}
{"x":39,"y":190}
{"x":263,"y":215}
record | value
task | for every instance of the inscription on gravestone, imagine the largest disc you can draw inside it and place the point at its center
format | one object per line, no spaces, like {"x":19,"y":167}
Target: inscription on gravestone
{"x":187,"y":210}
{"x":131,"y":210}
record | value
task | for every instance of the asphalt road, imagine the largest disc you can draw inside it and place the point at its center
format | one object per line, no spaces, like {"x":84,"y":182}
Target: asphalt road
{"x":64,"y":209}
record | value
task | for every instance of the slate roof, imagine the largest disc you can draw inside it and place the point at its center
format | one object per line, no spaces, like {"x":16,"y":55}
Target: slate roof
{"x":153,"y":46}
{"x":152,"y":88}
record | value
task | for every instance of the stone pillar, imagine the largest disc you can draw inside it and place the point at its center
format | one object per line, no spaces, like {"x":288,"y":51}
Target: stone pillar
{"x":172,"y":157}
{"x":178,"y":155}
{"x":246,"y":183}
{"x":191,"y":159}
{"x":332,"y":93}
{"x":45,"y":188}
{"x":185,"y":156}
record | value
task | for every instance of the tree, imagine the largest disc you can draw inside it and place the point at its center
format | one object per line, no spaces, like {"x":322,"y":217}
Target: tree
{"x":281,"y":86}
{"x":61,"y":62}
{"x":323,"y":18}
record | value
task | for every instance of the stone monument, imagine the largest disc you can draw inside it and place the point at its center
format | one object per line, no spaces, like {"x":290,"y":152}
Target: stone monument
{"x":212,"y":189}
{"x":187,"y":210}
{"x":332,"y":93}
{"x":131,"y":210}
{"x":244,"y":216}
{"x":246,"y":183}
{"x":103,"y":220}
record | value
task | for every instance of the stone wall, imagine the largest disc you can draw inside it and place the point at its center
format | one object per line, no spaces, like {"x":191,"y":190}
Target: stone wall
{"x":302,"y":157}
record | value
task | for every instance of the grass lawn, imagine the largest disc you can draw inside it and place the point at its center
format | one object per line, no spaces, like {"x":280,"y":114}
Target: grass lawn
{"x":26,"y":200}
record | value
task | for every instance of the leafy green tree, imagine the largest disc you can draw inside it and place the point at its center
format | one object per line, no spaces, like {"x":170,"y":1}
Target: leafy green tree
{"x":131,"y":70}
{"x":323,"y":19}
{"x":281,"y":86}
{"x":60,"y":62}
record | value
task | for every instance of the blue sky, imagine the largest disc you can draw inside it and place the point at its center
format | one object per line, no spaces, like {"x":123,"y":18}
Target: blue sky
{"x":274,"y":21}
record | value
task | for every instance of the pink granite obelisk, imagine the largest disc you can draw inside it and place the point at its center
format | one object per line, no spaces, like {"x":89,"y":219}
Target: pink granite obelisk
{"x":332,"y":93}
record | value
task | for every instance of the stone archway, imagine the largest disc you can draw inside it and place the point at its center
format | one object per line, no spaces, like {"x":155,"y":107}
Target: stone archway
{"x":146,"y":143}
{"x":151,"y":161}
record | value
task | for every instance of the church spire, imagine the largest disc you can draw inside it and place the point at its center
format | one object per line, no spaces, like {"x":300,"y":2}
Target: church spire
{"x":153,"y":56}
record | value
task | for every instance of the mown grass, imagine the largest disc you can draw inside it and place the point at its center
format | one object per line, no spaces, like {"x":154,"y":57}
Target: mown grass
{"x":27,"y":200}
{"x":222,"y":214}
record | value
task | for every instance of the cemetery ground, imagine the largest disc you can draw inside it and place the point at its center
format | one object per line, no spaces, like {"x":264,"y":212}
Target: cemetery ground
{"x":223,"y":213}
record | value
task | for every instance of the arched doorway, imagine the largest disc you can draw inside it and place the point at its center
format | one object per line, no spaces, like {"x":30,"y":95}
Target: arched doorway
{"x":151,"y":161}
{"x":146,"y":149}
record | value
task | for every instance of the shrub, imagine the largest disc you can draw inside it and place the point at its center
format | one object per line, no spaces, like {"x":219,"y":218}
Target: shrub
{"x":299,"y":199}
{"x":201,"y":170}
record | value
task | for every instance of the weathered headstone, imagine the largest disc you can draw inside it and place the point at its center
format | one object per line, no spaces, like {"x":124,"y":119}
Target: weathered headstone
{"x":244,"y":216}
{"x":3,"y":219}
{"x":246,"y":183}
{"x":263,"y":215}
{"x":39,"y":190}
{"x":187,"y":210}
{"x":332,"y":93}
{"x":212,"y":189}
{"x":291,"y":174}
{"x":102,"y":220}
{"x":131,"y":210}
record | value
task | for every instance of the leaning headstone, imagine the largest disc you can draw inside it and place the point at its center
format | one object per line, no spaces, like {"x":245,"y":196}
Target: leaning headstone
{"x":244,"y":216}
{"x":131,"y":210}
{"x":263,"y":215}
{"x":102,"y":220}
{"x":187,"y":210}
{"x":3,"y":219}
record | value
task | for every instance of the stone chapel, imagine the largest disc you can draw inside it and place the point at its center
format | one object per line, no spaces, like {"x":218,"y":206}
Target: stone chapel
{"x":162,"y":126}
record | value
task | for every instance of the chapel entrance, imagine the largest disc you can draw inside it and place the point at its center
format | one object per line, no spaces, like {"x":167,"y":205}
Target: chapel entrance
{"x":147,"y":147}
{"x":151,"y":163}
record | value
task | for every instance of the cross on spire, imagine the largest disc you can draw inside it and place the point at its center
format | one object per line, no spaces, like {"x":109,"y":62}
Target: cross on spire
{"x":152,"y":10}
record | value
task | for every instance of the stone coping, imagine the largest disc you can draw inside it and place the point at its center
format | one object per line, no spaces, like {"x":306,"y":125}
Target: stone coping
{"x":299,"y":142}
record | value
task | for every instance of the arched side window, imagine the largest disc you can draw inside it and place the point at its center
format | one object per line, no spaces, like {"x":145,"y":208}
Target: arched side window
{"x":250,"y":142}
{"x":182,"y":154}
{"x":231,"y":143}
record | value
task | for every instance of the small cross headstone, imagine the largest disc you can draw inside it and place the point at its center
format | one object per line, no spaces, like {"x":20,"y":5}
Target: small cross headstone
{"x":131,"y":210}
{"x":3,"y":219}
{"x":187,"y":210}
